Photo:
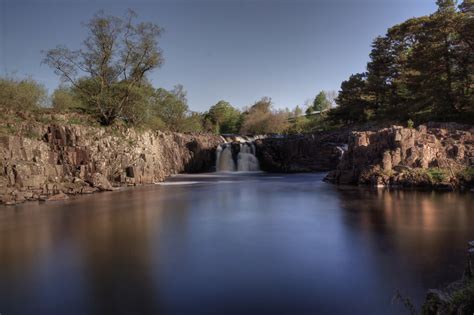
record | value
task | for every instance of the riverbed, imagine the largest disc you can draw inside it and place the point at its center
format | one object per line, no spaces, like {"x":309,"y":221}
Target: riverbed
{"x":246,"y":243}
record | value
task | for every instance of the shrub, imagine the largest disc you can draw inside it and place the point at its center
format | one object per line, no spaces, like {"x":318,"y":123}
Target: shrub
{"x":64,"y":99}
{"x":436,"y":175}
{"x":21,"y":94}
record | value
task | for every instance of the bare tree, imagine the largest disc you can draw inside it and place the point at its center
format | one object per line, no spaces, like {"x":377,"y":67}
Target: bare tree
{"x":112,"y":63}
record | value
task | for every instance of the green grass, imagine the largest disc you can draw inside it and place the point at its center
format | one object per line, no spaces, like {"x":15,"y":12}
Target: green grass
{"x":437,"y":175}
{"x":467,"y":174}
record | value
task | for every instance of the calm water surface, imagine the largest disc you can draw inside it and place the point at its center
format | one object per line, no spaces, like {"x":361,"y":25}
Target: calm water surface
{"x":247,"y":244}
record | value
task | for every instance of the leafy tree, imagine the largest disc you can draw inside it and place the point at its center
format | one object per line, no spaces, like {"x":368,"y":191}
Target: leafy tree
{"x":320,"y":103}
{"x":422,"y":69}
{"x":226,"y":118}
{"x":171,"y":107}
{"x":193,"y":123}
{"x":297,"y":112}
{"x":353,"y":100}
{"x":64,"y":99}
{"x":112,"y":64}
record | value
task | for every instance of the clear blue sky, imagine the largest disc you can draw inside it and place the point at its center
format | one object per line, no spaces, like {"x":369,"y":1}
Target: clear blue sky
{"x":229,"y":49}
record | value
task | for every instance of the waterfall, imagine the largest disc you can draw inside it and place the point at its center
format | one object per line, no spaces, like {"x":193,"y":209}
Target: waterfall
{"x":224,"y":159}
{"x":235,"y":156}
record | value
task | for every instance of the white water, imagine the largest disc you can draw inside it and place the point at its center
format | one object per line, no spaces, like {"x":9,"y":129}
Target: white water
{"x":246,"y":159}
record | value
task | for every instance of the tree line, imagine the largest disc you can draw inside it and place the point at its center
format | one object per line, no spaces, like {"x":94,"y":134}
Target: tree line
{"x":107,"y":78}
{"x":422,"y":69}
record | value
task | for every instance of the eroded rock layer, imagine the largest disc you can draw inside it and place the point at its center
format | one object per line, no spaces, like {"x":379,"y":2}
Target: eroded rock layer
{"x":63,"y":161}
{"x":432,"y":155}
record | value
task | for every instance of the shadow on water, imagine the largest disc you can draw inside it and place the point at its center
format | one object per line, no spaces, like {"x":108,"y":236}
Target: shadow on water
{"x":245,"y":243}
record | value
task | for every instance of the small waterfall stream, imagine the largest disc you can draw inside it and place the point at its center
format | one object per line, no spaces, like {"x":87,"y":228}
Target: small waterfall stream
{"x":237,"y":157}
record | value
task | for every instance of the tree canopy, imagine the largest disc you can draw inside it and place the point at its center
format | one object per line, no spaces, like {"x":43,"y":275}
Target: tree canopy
{"x":226,"y":118}
{"x":110,"y":70}
{"x":320,"y":103}
{"x":422,"y":69}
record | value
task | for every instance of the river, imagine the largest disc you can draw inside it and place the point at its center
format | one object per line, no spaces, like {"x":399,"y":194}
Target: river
{"x":232,"y":244}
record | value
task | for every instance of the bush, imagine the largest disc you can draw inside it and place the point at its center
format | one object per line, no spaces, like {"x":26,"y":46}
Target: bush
{"x":436,"y":175}
{"x":21,"y":94}
{"x":64,"y":99}
{"x":262,"y":119}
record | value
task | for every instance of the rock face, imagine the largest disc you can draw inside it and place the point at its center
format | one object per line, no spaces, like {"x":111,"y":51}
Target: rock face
{"x":309,"y":153}
{"x":80,"y":159}
{"x":403,"y":156}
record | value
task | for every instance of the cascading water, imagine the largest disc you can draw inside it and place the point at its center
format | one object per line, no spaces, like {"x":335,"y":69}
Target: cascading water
{"x":246,"y":159}
{"x":240,"y":157}
{"x":224,"y":159}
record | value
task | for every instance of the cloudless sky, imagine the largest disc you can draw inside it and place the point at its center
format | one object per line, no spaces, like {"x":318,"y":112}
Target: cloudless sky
{"x":236,"y":50}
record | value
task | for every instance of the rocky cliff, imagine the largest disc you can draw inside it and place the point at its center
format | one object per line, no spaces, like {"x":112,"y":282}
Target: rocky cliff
{"x":440,"y":155}
{"x":306,"y":153}
{"x":56,"y":161}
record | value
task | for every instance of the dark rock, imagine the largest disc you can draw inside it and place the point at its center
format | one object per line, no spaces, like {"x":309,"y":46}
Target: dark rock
{"x":309,"y":153}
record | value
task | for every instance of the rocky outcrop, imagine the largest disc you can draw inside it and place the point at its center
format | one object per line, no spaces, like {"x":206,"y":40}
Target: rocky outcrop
{"x":308,"y":153}
{"x":433,"y":155}
{"x":79,"y":160}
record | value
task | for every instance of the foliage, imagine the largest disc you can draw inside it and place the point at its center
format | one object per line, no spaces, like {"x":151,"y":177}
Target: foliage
{"x":111,"y":68}
{"x":299,"y":124}
{"x":225,"y":117}
{"x":260,"y":118}
{"x":171,"y":107}
{"x":436,"y":175}
{"x":467,"y":175}
{"x":460,"y":300}
{"x":422,"y":69}
{"x":21,"y":95}
{"x":64,"y":99}
{"x":410,"y":124}
{"x":193,"y":123}
{"x":320,"y":103}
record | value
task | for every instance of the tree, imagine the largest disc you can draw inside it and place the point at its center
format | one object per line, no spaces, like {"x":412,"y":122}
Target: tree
{"x":422,"y":69}
{"x":353,"y":101}
{"x":297,"y":112}
{"x":171,"y":107}
{"x":112,"y":64}
{"x":64,"y":99}
{"x":193,"y":123}
{"x":226,"y":118}
{"x":320,"y":103}
{"x":260,"y":118}
{"x":446,"y":6}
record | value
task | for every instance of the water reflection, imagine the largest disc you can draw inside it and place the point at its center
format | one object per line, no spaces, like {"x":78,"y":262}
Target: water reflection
{"x":258,"y":244}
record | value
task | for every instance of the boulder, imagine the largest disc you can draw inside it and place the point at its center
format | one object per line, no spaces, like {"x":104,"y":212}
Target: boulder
{"x":101,"y":182}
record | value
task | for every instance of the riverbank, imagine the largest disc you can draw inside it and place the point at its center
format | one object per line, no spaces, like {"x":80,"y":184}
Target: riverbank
{"x":53,"y":156}
{"x":51,"y":161}
{"x":434,"y":156}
